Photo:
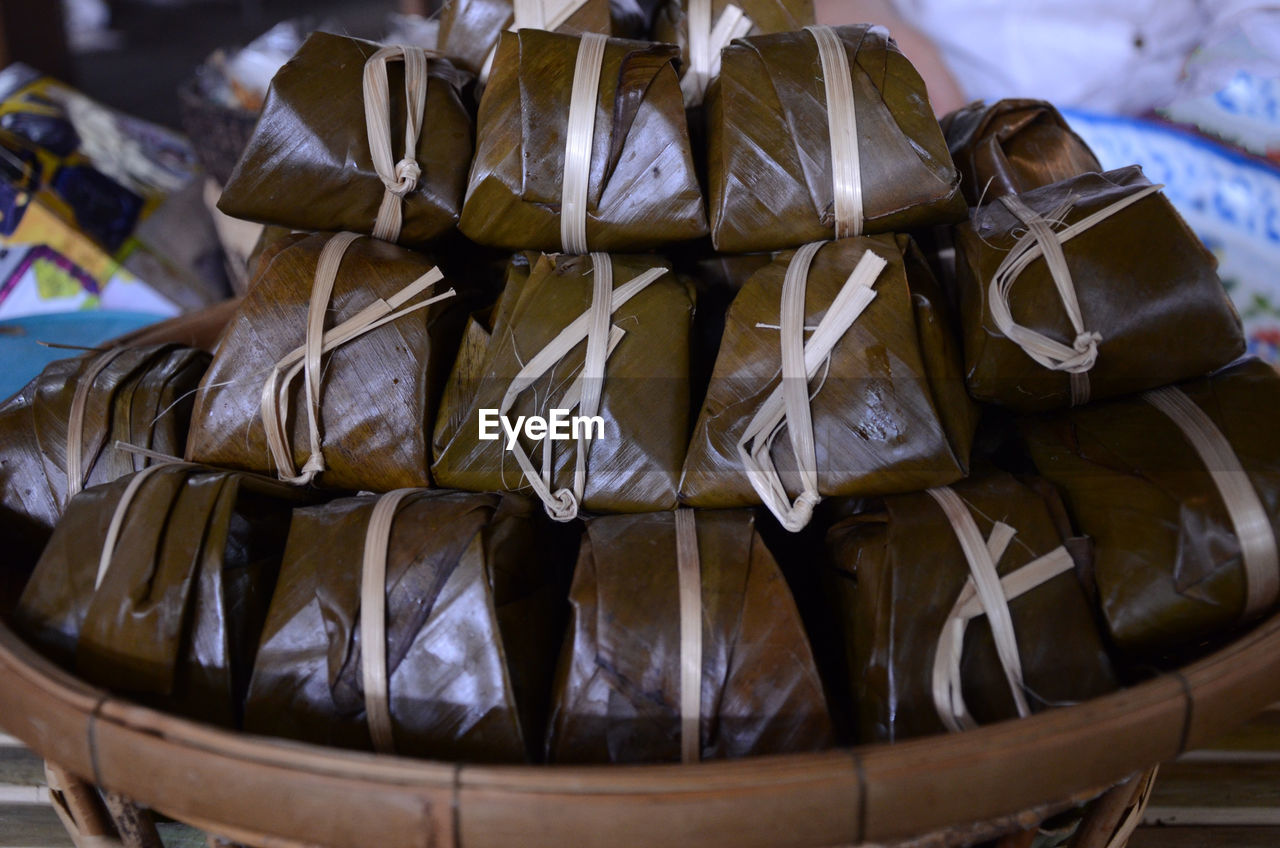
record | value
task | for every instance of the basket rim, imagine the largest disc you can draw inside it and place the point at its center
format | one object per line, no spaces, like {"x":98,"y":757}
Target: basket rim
{"x":239,"y":784}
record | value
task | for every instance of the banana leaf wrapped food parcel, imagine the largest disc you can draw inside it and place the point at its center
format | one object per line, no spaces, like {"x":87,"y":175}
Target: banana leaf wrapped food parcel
{"x":1012,"y":146}
{"x":702,"y":28}
{"x":469,"y":29}
{"x":1091,"y":287}
{"x":845,"y":347}
{"x":331,"y":369}
{"x":418,"y":623}
{"x":353,"y":136}
{"x":962,"y":606}
{"x":582,"y":145}
{"x":1179,"y":488}
{"x":155,"y":585}
{"x":823,"y":133}
{"x":60,"y":432}
{"x":603,"y":340}
{"x":684,"y":644}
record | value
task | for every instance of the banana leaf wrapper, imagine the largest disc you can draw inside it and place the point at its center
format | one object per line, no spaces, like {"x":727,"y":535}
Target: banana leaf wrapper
{"x":175,"y":621}
{"x":1145,"y":282}
{"x":718,"y":279}
{"x":1168,"y":563}
{"x":143,"y":397}
{"x":769,"y":156}
{"x":617,"y":691}
{"x":473,"y":624}
{"x":645,"y":397}
{"x":890,"y":413}
{"x":308,"y":165}
{"x":469,"y":29}
{"x":767,"y":16}
{"x":272,"y":240}
{"x":642,"y":190}
{"x":1012,"y":146}
{"x":898,"y":573}
{"x":378,"y":392}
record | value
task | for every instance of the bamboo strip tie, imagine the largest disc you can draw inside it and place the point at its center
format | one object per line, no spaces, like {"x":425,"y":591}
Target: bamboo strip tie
{"x":579,"y":134}
{"x":1042,"y":240}
{"x":398,"y":178}
{"x":374,"y":674}
{"x":594,"y":324}
{"x":800,"y":361}
{"x":689,"y":568}
{"x":789,"y":402}
{"x":1244,"y":507}
{"x":121,"y":512}
{"x":705,"y":44}
{"x":76,"y":473}
{"x":276,"y":389}
{"x":563,"y":505}
{"x":842,"y":121}
{"x":985,"y":592}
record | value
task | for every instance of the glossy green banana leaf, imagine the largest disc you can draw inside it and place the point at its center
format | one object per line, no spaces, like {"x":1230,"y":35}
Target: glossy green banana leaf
{"x":769,"y":158}
{"x":1168,"y":561}
{"x":617,"y":692}
{"x":142,"y":397}
{"x":1145,"y":283}
{"x":468,"y":366}
{"x":767,"y":16}
{"x":897,"y":576}
{"x":1012,"y":146}
{"x":890,"y":413}
{"x":271,"y":241}
{"x":473,"y":617}
{"x":645,"y":396}
{"x":378,"y":391}
{"x":642,"y":191}
{"x":469,"y":29}
{"x":308,"y":164}
{"x":175,"y":621}
{"x":717,"y":278}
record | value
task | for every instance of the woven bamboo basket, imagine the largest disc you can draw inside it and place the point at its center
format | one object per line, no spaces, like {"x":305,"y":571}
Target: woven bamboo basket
{"x":942,"y":790}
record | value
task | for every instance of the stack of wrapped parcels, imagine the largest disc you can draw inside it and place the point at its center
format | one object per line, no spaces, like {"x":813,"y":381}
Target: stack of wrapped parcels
{"x":401,"y":509}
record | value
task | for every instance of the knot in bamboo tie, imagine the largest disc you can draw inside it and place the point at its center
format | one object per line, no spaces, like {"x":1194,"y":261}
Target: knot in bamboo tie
{"x":789,"y":402}
{"x":585,"y":392}
{"x":1043,"y":240}
{"x":408,"y":171}
{"x":398,"y":178}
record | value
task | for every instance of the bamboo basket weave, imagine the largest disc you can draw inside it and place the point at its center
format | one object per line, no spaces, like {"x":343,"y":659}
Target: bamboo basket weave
{"x":970,"y":785}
